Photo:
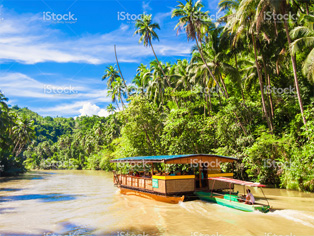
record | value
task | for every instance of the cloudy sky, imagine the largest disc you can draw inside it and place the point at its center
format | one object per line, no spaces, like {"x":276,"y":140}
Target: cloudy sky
{"x":54,"y":53}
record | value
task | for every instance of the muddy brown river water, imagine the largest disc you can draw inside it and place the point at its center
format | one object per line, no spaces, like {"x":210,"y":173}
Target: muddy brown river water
{"x":87,"y":203}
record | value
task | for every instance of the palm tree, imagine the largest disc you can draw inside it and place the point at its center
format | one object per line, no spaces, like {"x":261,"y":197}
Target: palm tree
{"x":196,"y":24}
{"x":157,"y":85}
{"x":111,"y":74}
{"x":23,"y":133}
{"x":199,"y":75}
{"x":113,"y":93}
{"x":115,"y":53}
{"x":216,"y":52}
{"x":243,"y":23}
{"x":142,"y":79}
{"x":304,"y":36}
{"x":146,"y":29}
{"x":6,"y":122}
{"x":282,"y":7}
{"x":110,"y":108}
{"x":117,"y":92}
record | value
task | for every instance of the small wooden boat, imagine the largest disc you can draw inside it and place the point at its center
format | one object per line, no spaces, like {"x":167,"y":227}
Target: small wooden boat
{"x":231,"y":199}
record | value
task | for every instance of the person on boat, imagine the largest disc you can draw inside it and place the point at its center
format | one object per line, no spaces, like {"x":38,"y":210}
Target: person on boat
{"x":137,"y":174}
{"x":172,"y":174}
{"x":249,"y":197}
{"x":177,"y":172}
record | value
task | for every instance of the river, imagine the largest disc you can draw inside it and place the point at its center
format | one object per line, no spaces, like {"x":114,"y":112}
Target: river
{"x":87,"y":203}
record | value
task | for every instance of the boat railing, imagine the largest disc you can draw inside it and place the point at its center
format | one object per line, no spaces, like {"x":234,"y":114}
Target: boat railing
{"x":134,"y":181}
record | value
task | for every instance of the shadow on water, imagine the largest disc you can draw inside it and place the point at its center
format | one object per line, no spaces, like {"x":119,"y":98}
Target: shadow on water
{"x":135,"y":231}
{"x":26,"y":176}
{"x":52,"y":197}
{"x":67,"y":229}
{"x":6,"y":209}
{"x":10,"y":189}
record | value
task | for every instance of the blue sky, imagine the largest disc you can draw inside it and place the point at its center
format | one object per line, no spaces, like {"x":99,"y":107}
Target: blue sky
{"x":54,"y":66}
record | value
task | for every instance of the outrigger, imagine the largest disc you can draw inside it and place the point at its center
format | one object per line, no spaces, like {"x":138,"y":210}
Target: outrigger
{"x":231,"y":199}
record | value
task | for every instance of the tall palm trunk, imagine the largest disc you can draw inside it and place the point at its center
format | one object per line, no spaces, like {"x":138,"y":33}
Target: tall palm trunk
{"x":126,"y":87}
{"x":223,"y":84}
{"x":270,"y":98}
{"x":205,"y":63}
{"x":211,"y":74}
{"x":269,"y":95}
{"x":162,"y":71}
{"x":294,"y":65}
{"x":307,"y":8}
{"x":236,"y":65}
{"x":261,"y":85}
{"x":117,"y":105}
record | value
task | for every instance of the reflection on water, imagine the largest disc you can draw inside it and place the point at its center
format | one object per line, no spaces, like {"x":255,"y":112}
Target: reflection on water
{"x":52,"y":197}
{"x":87,"y":203}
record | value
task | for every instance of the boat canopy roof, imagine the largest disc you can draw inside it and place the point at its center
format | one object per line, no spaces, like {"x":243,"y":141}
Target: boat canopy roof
{"x":177,"y":159}
{"x":237,"y":181}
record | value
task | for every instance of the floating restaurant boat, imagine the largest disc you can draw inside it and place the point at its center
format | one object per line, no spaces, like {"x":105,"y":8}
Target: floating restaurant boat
{"x":171,"y":189}
{"x":205,"y":181}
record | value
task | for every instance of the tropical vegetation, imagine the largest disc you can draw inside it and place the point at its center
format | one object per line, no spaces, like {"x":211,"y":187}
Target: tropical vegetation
{"x":246,"y":91}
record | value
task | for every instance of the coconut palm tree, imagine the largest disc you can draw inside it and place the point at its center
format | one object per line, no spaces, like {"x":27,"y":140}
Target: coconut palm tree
{"x":141,"y":79}
{"x":157,"y":85}
{"x":146,"y":29}
{"x":113,"y":93}
{"x":281,"y":7}
{"x":199,"y":75}
{"x":196,"y":24}
{"x":118,"y":91}
{"x":23,"y":132}
{"x":244,"y":23}
{"x":111,"y":74}
{"x":110,"y":108}
{"x":304,"y":37}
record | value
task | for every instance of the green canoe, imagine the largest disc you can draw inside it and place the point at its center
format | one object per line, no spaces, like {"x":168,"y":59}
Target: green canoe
{"x":230,"y":201}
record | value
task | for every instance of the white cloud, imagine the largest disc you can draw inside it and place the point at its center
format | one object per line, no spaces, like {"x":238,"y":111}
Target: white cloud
{"x":20,"y":85}
{"x":70,"y":98}
{"x":90,"y":109}
{"x":160,"y":17}
{"x":146,"y":6}
{"x":26,"y":38}
{"x":103,"y":112}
